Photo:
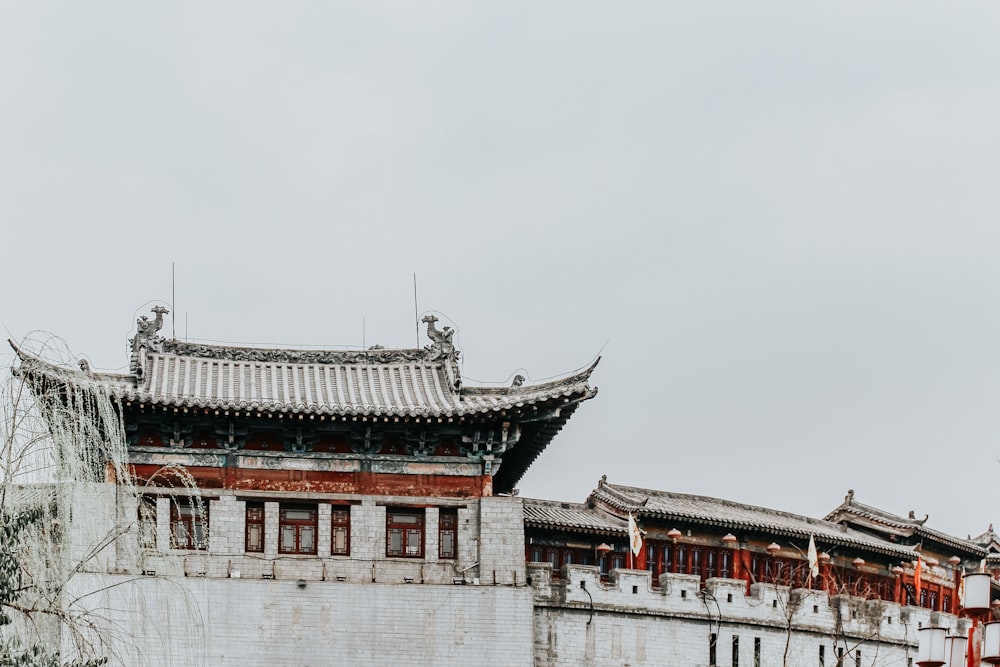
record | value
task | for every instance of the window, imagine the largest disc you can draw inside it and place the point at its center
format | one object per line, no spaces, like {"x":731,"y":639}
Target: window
{"x":189,"y":523}
{"x":736,"y":651}
{"x":712,"y":638}
{"x":756,"y":652}
{"x":340,"y":535}
{"x":448,"y":534}
{"x":147,"y":522}
{"x":255,"y":527}
{"x":404,"y":533}
{"x":822,"y":655}
{"x":297,"y":529}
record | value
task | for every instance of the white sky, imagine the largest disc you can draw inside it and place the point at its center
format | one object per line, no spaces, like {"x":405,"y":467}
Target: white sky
{"x":779,"y":217}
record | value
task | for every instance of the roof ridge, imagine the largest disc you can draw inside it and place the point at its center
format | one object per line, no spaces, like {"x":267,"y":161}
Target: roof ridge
{"x":375,"y":354}
{"x":726,"y":503}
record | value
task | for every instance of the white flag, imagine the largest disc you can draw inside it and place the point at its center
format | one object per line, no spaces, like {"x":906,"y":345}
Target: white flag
{"x":634,"y":535}
{"x":813,"y":558}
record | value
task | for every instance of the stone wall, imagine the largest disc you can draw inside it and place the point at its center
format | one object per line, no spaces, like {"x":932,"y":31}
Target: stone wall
{"x":223,"y":606}
{"x":211,"y":622}
{"x":580,"y":620}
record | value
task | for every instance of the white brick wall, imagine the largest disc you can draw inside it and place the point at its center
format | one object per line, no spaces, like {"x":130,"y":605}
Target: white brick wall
{"x":226,"y":607}
{"x":259,"y":623}
{"x":628,"y":622}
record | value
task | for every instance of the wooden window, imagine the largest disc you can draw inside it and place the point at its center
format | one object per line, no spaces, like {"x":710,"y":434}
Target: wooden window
{"x":147,"y":522}
{"x":651,"y":564}
{"x":189,"y":523}
{"x":404,"y":533}
{"x":297,"y":529}
{"x":726,"y":567}
{"x":255,"y":527}
{"x":340,"y":535}
{"x":448,"y":534}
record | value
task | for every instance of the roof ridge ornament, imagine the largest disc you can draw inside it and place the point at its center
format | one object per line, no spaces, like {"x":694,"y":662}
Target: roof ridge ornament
{"x":145,"y":339}
{"x":441,"y":348}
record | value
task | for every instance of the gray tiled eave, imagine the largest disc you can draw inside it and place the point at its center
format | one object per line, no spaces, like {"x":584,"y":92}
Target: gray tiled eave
{"x":390,"y":390}
{"x":734,"y":516}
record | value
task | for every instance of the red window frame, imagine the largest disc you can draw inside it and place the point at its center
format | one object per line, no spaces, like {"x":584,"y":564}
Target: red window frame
{"x":146,"y":526}
{"x":340,"y":530}
{"x":189,"y":524}
{"x":404,"y":533}
{"x":297,"y":529}
{"x":254,"y":534}
{"x":447,"y":534}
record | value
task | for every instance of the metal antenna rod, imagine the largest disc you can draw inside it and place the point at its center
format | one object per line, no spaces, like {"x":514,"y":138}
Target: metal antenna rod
{"x":416,"y":313}
{"x":173,"y":302}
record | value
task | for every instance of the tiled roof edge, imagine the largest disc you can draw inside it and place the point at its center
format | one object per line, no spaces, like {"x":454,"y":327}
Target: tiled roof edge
{"x":845,"y":538}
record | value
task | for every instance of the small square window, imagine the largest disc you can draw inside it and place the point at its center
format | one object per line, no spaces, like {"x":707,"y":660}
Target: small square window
{"x":297,"y":529}
{"x":189,"y":523}
{"x":404,"y":533}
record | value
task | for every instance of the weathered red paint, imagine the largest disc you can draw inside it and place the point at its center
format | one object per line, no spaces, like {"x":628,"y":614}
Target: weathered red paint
{"x":322,"y":481}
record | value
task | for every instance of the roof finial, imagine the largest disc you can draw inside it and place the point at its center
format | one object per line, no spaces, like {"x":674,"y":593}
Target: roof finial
{"x":441,"y":347}
{"x":149,"y":328}
{"x":145,"y":337}
{"x":442,"y":337}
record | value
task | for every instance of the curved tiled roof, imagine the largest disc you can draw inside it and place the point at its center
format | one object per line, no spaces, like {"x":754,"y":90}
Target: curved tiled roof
{"x":419,"y":388}
{"x":385,"y":384}
{"x":909,"y":526}
{"x":737,"y":516}
{"x":573,"y":516}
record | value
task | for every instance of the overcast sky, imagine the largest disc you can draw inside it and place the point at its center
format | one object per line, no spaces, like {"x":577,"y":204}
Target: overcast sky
{"x":778,"y":220}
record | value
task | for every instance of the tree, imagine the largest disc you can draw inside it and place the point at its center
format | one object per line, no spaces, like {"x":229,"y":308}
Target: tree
{"x":61,"y":436}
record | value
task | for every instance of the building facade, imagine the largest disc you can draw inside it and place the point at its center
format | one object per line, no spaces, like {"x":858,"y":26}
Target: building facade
{"x":311,"y":507}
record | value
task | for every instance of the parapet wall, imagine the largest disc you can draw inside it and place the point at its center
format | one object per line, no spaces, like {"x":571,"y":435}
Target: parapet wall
{"x":580,"y":620}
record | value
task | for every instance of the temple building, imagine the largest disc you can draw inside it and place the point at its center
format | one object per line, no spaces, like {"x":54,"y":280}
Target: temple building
{"x":310,"y":507}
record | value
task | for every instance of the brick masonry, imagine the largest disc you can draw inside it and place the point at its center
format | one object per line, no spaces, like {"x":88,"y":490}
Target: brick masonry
{"x":223,"y":606}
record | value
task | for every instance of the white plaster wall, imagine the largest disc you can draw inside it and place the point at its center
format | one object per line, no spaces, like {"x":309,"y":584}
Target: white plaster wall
{"x":173,"y":621}
{"x":627,"y":622}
